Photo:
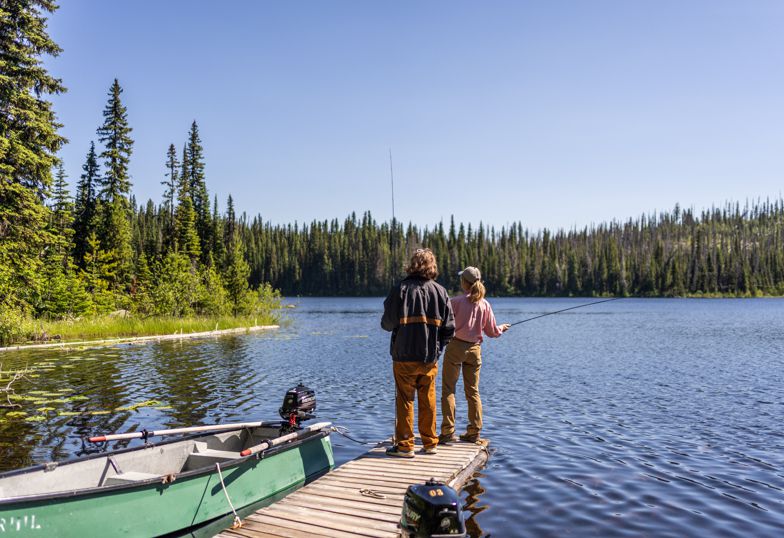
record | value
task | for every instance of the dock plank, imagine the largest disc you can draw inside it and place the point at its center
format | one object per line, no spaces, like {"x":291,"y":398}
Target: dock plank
{"x":334,"y":505}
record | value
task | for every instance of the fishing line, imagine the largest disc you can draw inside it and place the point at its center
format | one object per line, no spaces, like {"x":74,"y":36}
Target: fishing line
{"x":564,"y":310}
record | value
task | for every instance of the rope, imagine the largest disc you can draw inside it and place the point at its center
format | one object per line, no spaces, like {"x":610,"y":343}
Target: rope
{"x":372,"y":493}
{"x":342,"y":430}
{"x":237,"y":521}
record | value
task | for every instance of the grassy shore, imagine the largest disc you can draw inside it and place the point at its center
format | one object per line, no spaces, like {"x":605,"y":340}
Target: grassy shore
{"x":103,"y":327}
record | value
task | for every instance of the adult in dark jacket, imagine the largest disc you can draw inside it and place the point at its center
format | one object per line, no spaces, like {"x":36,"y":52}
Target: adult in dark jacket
{"x":418,"y":313}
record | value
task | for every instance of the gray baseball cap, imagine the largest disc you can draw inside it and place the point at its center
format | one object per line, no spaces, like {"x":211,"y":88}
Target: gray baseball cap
{"x":470,"y":274}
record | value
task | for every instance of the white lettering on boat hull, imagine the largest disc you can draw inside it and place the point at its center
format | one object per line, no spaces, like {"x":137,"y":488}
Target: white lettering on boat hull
{"x":20,"y":523}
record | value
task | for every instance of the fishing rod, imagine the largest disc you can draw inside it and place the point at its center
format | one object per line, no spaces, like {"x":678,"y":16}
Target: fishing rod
{"x":564,"y":310}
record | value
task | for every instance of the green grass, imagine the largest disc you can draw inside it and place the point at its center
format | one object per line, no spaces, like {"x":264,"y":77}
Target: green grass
{"x":105,"y":327}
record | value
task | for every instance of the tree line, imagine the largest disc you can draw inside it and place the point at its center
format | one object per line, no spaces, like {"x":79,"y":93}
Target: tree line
{"x":732,"y":251}
{"x":64,"y":256}
{"x":99,"y":255}
{"x":98,"y":251}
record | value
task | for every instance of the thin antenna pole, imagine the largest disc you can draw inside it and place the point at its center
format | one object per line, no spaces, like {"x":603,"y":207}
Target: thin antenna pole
{"x":392,"y":180}
{"x":392,"y":276}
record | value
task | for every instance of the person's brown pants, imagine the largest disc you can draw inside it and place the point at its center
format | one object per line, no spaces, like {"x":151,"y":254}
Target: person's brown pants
{"x":415,"y":378}
{"x":468,"y":357}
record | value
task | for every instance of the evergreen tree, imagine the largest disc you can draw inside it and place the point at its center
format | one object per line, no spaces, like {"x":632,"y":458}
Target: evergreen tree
{"x":29,"y":142}
{"x":236,"y":269}
{"x":63,"y":292}
{"x":198,"y":190}
{"x":62,"y":213}
{"x":170,"y":196}
{"x":99,"y":271}
{"x":185,"y":234}
{"x":116,"y":185}
{"x":85,"y":205}
{"x":218,"y":245}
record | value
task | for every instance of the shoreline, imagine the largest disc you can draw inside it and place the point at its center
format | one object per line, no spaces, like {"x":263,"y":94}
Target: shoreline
{"x":140,"y":339}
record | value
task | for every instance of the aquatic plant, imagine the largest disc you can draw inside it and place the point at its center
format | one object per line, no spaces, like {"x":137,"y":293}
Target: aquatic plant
{"x":8,"y":389}
{"x":134,"y":407}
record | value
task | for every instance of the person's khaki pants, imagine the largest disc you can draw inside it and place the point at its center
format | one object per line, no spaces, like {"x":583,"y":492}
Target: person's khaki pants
{"x":415,"y":378}
{"x":465,"y":356}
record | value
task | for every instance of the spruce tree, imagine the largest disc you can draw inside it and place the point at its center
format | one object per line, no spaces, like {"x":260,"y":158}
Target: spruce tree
{"x":62,"y":212}
{"x":185,"y":235}
{"x":116,"y":185}
{"x":85,"y":205}
{"x":218,"y":245}
{"x":63,"y":293}
{"x":198,"y":190}
{"x":170,"y":197}
{"x":29,"y":142}
{"x":235,"y":277}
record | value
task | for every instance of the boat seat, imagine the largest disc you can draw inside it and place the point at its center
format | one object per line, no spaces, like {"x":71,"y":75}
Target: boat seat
{"x":207,"y":457}
{"x":128,"y":477}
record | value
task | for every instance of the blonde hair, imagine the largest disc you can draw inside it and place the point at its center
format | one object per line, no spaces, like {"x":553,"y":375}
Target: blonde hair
{"x":476,"y":290}
{"x":423,"y":264}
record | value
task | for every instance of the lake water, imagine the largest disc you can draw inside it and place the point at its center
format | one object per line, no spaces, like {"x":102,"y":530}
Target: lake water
{"x":629,"y":418}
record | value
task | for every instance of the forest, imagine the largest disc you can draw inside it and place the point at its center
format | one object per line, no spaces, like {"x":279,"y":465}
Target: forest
{"x":70,"y":256}
{"x":734,"y":250}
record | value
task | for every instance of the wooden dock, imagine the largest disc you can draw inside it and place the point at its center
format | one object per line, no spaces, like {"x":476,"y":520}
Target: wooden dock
{"x":363,"y":497}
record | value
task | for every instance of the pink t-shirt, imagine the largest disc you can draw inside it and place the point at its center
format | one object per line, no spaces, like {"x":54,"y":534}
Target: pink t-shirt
{"x":471,"y":319}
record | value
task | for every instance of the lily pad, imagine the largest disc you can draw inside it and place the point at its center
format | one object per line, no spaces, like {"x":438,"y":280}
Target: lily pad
{"x":133,"y":407}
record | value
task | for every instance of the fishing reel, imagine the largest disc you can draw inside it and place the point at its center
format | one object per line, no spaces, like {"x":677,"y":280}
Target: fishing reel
{"x":299,"y":404}
{"x":432,"y":509}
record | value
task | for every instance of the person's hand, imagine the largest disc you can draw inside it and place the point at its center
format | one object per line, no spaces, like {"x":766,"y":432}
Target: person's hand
{"x":504,"y":327}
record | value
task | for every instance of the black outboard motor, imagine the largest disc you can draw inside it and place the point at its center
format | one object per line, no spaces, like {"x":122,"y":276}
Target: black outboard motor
{"x":299,"y":404}
{"x":432,"y":510}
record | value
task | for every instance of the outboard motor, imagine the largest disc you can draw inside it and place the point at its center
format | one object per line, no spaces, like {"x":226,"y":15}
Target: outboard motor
{"x":299,"y":404}
{"x":432,"y":510}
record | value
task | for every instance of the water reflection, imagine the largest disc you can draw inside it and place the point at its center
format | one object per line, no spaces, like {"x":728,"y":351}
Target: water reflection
{"x":472,"y":506}
{"x":631,"y":418}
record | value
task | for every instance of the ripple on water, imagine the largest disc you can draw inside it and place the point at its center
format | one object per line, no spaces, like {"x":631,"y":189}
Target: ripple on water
{"x":631,"y":418}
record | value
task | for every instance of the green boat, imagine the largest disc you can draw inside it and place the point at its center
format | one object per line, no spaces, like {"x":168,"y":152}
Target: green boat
{"x":167,"y":487}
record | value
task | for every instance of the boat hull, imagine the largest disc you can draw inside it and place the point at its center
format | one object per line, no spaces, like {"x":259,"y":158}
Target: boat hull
{"x":155,"y":508}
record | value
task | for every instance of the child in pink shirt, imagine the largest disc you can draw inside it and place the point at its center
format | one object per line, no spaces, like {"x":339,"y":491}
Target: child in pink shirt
{"x":473,"y":316}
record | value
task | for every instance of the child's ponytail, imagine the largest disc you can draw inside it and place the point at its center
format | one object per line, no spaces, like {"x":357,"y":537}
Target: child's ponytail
{"x":476,"y":291}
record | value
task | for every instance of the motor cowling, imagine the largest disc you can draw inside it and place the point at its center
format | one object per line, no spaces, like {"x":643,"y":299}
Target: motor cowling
{"x":432,"y":509}
{"x":299,"y":404}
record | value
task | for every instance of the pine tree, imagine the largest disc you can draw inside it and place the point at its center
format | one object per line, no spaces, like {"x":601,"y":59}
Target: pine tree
{"x":99,"y":271}
{"x":218,"y":245}
{"x":185,"y":235}
{"x":62,"y":213}
{"x":236,"y":269}
{"x":115,"y":134}
{"x":198,"y":190}
{"x":170,"y":196}
{"x":63,"y":293}
{"x":116,"y":185}
{"x":29,"y":142}
{"x":142,"y":298}
{"x":85,"y":205}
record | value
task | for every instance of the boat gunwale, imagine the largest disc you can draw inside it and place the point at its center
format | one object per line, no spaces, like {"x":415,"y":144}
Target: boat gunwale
{"x":158,"y":480}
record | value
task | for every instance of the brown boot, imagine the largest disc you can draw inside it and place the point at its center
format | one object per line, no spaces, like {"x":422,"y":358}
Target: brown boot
{"x":470,"y":437}
{"x":447,"y":438}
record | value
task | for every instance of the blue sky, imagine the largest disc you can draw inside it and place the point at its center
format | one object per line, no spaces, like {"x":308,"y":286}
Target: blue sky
{"x":555,"y":114}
